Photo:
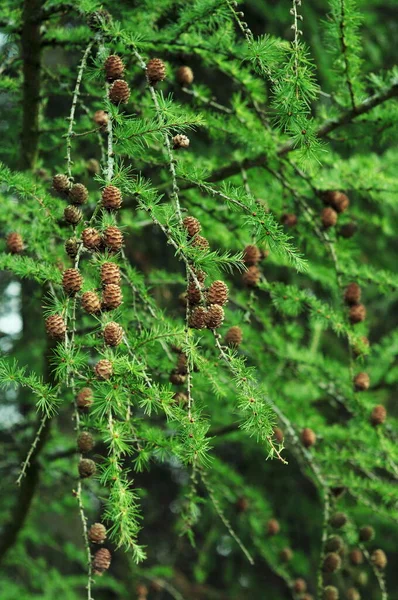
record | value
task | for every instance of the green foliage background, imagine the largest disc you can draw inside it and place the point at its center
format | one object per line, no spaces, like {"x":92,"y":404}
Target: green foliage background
{"x":276,"y":115}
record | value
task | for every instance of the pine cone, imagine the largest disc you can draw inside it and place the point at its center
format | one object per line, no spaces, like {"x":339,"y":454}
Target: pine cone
{"x":55,"y":326}
{"x":91,"y":303}
{"x":251,"y":277}
{"x":361,"y":382}
{"x":72,"y":281}
{"x":142,"y":591}
{"x":286,"y":555}
{"x":273,"y":527}
{"x":113,"y":334}
{"x":192,"y":226}
{"x":352,"y":294}
{"x":101,"y":119}
{"x":114,"y":68}
{"x":72,"y":214}
{"x":356,"y":557}
{"x":328,"y":217}
{"x":308,"y":437}
{"x":71,"y":247}
{"x":180,"y":398}
{"x":218,"y":293}
{"x":334,"y":544}
{"x":200,"y":242}
{"x":336,"y":200}
{"x":182,"y":364}
{"x":234,"y":337}
{"x":289,"y":220}
{"x":180,"y":141}
{"x":91,"y":238}
{"x":84,"y":398}
{"x":111,"y":197}
{"x":357,"y":313}
{"x":198,"y":318}
{"x":251,"y":255}
{"x":93,"y":166}
{"x":101,"y":561}
{"x":278,"y":435}
{"x":331,"y":593}
{"x":119,"y":92}
{"x":184,"y":75}
{"x":331,"y":563}
{"x":103,"y":369}
{"x":113,"y":238}
{"x":85,"y":441}
{"x":348,"y":230}
{"x":300,"y":586}
{"x":112,"y":296}
{"x":86,"y":468}
{"x":338,"y":520}
{"x":177,"y":378}
{"x":200,"y":275}
{"x":61,"y":183}
{"x":78,"y":194}
{"x":353,"y":594}
{"x":110,"y":273}
{"x":97,"y":533}
{"x":155,"y":71}
{"x":366,"y":533}
{"x":15,"y":243}
{"x":378,"y":416}
{"x":379,"y":559}
{"x":193,"y":293}
{"x":215,"y":316}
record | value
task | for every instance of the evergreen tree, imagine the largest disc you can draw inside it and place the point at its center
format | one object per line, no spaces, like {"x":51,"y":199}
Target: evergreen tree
{"x":198,"y":345}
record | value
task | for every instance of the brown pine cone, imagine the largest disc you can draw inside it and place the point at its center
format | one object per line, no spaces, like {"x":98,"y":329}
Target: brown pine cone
{"x":300,"y":586}
{"x":91,"y":303}
{"x":215,"y":316}
{"x":331,"y":563}
{"x":251,"y":277}
{"x":113,"y":334}
{"x":192,"y":225}
{"x":55,"y":326}
{"x":353,"y":594}
{"x":361,"y":382}
{"x":93,"y":166}
{"x":180,"y":398}
{"x":286,"y":555}
{"x":336,"y":200}
{"x":111,"y":197}
{"x":84,"y":398}
{"x":198,"y":318}
{"x":114,"y":68}
{"x":15,"y":243}
{"x":200,"y":242}
{"x":338,"y":520}
{"x":72,"y":214}
{"x":112,"y":296}
{"x":193,"y":293}
{"x":200,"y":275}
{"x":184,"y":75}
{"x":101,"y":119}
{"x":251,"y":255}
{"x":72,"y":281}
{"x":328,"y":217}
{"x":142,"y":591}
{"x":177,"y":378}
{"x":113,"y":238}
{"x":78,"y":194}
{"x":330,"y":593}
{"x":379,"y":559}
{"x":366,"y":533}
{"x":218,"y":293}
{"x":97,"y":533}
{"x":356,"y":557}
{"x":273,"y":527}
{"x":357,"y":313}
{"x":110,"y":273}
{"x":308,"y":437}
{"x":378,"y":416}
{"x":334,"y":544}
{"x":352,"y":294}
{"x":61,"y":183}
{"x":103,"y":369}
{"x":155,"y":71}
{"x":289,"y":220}
{"x":71,"y":247}
{"x":119,"y":92}
{"x":85,"y":441}
{"x":278,"y":435}
{"x":348,"y":230}
{"x":180,"y":141}
{"x":86,"y":468}
{"x":91,"y":238}
{"x":234,"y":337}
{"x":101,"y":561}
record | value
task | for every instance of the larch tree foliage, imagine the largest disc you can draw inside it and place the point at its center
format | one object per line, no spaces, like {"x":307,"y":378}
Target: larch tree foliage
{"x":198,"y":346}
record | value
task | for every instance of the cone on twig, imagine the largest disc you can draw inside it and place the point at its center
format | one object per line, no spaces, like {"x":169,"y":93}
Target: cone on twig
{"x":15,"y":243}
{"x":101,"y":119}
{"x":378,"y":416}
{"x":155,"y":71}
{"x":218,"y":293}
{"x":101,"y":561}
{"x":103,"y":369}
{"x":91,"y":303}
{"x":84,"y":398}
{"x":184,"y":75}
{"x":91,"y":238}
{"x":113,"y":334}
{"x":234,"y":337}
{"x":85,"y":441}
{"x":112,"y":296}
{"x":113,"y":238}
{"x":97,"y":533}
{"x":119,"y":92}
{"x":110,"y":274}
{"x":86,"y":467}
{"x":72,"y":281}
{"x":114,"y":67}
{"x":61,"y":183}
{"x":56,"y":327}
{"x":78,"y":194}
{"x":111,"y":197}
{"x":73,"y":215}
